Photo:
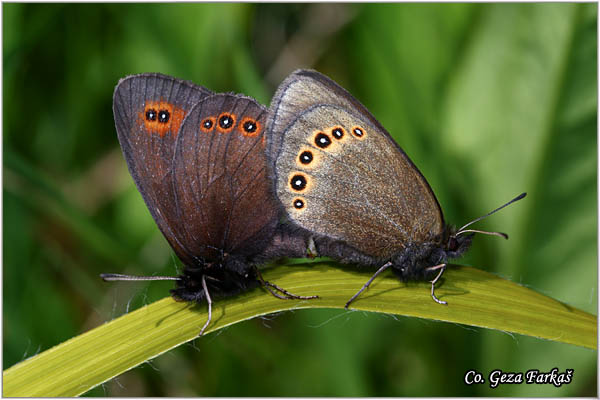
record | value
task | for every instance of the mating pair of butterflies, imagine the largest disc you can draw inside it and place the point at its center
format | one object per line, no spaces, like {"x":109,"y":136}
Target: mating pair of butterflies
{"x":232,"y":184}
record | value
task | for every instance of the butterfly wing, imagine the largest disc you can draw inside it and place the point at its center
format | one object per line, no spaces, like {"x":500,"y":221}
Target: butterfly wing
{"x":340,"y":175}
{"x":149,"y":110}
{"x":220,"y":179}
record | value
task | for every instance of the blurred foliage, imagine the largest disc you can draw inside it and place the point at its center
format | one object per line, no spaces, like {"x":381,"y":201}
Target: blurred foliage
{"x":489,"y":100}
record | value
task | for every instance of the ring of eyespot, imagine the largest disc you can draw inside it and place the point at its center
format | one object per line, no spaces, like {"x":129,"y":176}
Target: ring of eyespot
{"x":249,"y":127}
{"x":225,"y":122}
{"x":299,"y":203}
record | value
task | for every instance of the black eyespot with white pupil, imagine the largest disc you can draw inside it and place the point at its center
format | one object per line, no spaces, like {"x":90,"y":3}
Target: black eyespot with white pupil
{"x":225,"y":121}
{"x":298,"y":182}
{"x":151,"y":115}
{"x":298,"y":204}
{"x":250,"y":126}
{"x":358,"y":132}
{"x":306,"y":157}
{"x":322,"y":140}
{"x":163,"y":116}
{"x":337,"y":133}
{"x":207,"y":124}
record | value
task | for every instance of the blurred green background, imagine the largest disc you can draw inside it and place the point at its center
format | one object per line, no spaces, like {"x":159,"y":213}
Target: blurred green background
{"x":488,"y":100}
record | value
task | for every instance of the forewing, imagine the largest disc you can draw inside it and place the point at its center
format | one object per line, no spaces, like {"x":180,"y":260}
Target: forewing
{"x":149,"y":110}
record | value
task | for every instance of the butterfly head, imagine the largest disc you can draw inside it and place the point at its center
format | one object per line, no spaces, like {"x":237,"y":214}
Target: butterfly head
{"x":455,"y":245}
{"x":416,"y":260}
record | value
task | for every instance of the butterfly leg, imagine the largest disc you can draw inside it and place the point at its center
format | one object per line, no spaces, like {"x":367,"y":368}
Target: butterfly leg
{"x":286,"y":295}
{"x":366,"y":285}
{"x":209,"y":301}
{"x":442,"y":268}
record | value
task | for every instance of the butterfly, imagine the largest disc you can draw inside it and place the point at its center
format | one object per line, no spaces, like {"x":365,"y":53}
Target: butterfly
{"x":346,"y":184}
{"x":198,"y":159}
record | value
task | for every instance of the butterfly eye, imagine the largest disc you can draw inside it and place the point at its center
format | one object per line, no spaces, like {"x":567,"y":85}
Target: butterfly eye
{"x":306,"y":157}
{"x":299,"y":204}
{"x":163,"y":116}
{"x":151,"y":115}
{"x":322,"y":140}
{"x":337,"y":132}
{"x":452,"y":244}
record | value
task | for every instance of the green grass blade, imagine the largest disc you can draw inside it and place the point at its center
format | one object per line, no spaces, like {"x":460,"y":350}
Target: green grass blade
{"x":474,"y":297}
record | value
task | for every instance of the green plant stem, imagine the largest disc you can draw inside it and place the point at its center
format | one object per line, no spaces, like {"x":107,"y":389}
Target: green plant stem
{"x":474,"y":297}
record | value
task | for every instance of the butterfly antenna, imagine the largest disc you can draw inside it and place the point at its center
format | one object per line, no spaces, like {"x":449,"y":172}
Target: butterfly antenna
{"x":119,"y":277}
{"x":504,"y":235}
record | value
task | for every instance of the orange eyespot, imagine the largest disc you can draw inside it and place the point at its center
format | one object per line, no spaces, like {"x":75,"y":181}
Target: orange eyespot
{"x":207,"y":124}
{"x":151,"y":114}
{"x":322,"y":141}
{"x":299,"y":203}
{"x":225,"y":122}
{"x":249,"y":127}
{"x":306,"y":157}
{"x":338,"y":132}
{"x":359,"y":132}
{"x":160,"y":117}
{"x":299,"y":182}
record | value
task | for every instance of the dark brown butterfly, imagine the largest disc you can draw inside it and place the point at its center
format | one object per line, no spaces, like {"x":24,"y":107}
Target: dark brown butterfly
{"x":344,"y":181}
{"x":198,"y":160}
